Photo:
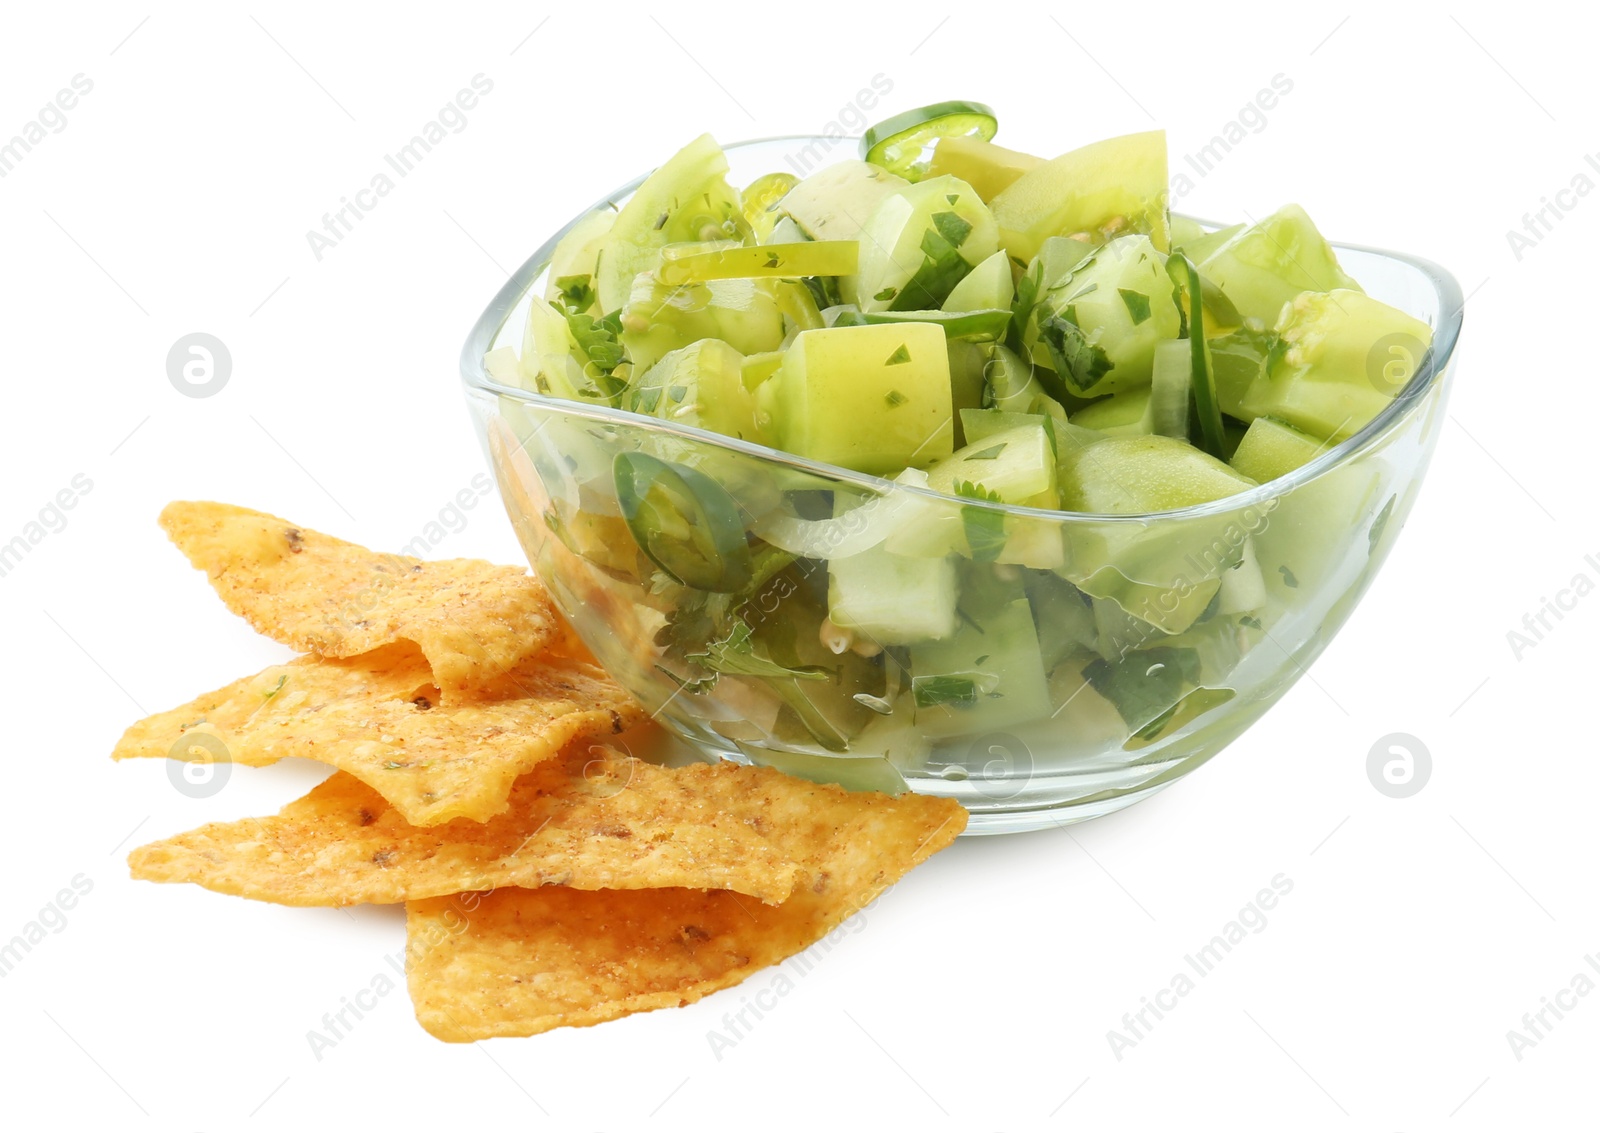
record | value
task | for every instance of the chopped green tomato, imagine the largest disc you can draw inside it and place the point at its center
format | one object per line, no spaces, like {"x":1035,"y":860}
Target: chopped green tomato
{"x":1198,"y":243}
{"x":897,"y":144}
{"x":985,"y":677}
{"x":1097,"y":328}
{"x":835,"y":202}
{"x":891,"y":599}
{"x":757,"y":368}
{"x":1243,"y":588}
{"x":688,"y":198}
{"x":1124,"y":414}
{"x":785,"y":231}
{"x":1010,"y":385}
{"x":701,"y":384}
{"x":1018,"y":466}
{"x":759,"y":202}
{"x":1265,"y":265}
{"x":984,"y":287}
{"x":551,"y":361}
{"x":988,"y":168}
{"x":687,"y":264}
{"x":1238,"y":359}
{"x":967,"y":360}
{"x":1271,"y":449}
{"x":918,"y":244}
{"x":1171,"y":389}
{"x":578,"y":252}
{"x":980,"y":424}
{"x":1134,"y":475}
{"x":1183,"y":230}
{"x":1100,"y":191}
{"x":872,"y":398}
{"x":1345,"y":357}
{"x":686,"y":522}
{"x":502,"y":366}
{"x":660,"y":317}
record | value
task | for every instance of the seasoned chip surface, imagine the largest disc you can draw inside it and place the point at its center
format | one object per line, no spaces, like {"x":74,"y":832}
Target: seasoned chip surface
{"x":474,"y":621}
{"x":587,"y":821}
{"x":522,"y":961}
{"x":377,"y":717}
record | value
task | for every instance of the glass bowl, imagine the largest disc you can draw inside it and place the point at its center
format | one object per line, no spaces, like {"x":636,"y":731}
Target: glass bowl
{"x":1050,"y":703}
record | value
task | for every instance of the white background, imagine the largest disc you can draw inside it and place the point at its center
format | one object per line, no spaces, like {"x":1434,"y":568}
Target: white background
{"x":177,"y":198}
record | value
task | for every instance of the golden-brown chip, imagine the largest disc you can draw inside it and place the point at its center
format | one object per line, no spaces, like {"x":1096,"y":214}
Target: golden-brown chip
{"x":474,"y":621}
{"x":377,"y":717}
{"x":589,"y":822}
{"x":522,"y":961}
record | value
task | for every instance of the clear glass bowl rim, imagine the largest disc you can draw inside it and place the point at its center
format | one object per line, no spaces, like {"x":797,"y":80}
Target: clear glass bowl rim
{"x":1435,"y":365}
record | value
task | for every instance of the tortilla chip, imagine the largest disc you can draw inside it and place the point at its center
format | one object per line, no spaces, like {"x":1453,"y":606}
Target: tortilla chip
{"x":522,"y":961}
{"x":590,"y":823}
{"x":474,"y":621}
{"x":377,"y":717}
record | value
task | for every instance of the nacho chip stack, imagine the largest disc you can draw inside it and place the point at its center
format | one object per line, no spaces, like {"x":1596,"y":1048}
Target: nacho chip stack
{"x":548,"y":881}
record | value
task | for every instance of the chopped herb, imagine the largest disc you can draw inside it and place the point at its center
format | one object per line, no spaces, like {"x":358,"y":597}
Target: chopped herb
{"x":981,"y":660}
{"x":646,"y":399}
{"x":735,"y":655}
{"x":1251,"y":621}
{"x":942,"y":266}
{"x":989,"y":453}
{"x":952,"y":197}
{"x":773,"y":260}
{"x":1289,"y":579}
{"x":676,"y":394}
{"x":283,"y":679}
{"x":894,"y":398}
{"x":1074,"y":356}
{"x":985,"y":529}
{"x":1138,"y":304}
{"x":577,"y":293}
{"x":952,"y":227}
{"x":1146,"y":683}
{"x":394,"y":765}
{"x":886,"y":294}
{"x":930,"y":691}
{"x":899,"y":357}
{"x":192,"y":724}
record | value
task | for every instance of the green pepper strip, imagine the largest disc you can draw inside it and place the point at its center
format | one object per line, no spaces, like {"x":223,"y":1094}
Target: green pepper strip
{"x":1201,"y":378}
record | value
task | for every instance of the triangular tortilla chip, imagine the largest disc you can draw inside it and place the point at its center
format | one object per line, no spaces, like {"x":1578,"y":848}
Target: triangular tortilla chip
{"x":598,"y":821}
{"x":377,"y":717}
{"x":474,"y":621}
{"x":522,"y":961}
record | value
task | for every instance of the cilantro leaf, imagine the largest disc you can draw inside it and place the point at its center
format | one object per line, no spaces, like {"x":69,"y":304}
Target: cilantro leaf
{"x":928,"y":692}
{"x":1138,"y":304}
{"x":735,"y":655}
{"x":1074,"y":356}
{"x":952,"y":227}
{"x":942,"y":265}
{"x":1145,"y":684}
{"x":900,"y":357}
{"x":985,"y":528}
